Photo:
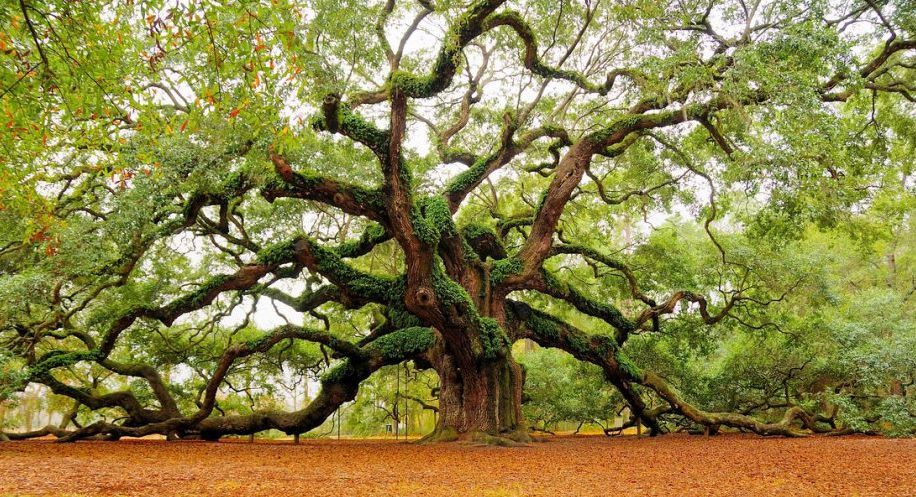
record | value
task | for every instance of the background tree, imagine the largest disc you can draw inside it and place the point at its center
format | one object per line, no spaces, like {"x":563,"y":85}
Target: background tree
{"x":619,"y":180}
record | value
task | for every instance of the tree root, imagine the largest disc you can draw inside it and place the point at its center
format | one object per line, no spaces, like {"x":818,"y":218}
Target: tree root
{"x":516,"y":438}
{"x":508,"y":439}
{"x":438,"y":435}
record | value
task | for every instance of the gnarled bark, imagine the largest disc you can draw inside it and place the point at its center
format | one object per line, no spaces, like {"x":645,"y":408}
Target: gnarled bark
{"x":481,"y":404}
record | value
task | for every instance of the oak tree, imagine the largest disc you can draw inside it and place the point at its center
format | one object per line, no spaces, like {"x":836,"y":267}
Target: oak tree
{"x":448,"y":177}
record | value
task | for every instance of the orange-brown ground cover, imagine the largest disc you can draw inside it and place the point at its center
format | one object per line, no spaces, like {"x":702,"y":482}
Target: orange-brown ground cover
{"x":673,"y":465}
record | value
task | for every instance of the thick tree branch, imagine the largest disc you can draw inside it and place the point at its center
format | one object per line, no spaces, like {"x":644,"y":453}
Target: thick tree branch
{"x":547,"y":284}
{"x":550,"y":332}
{"x":351,"y":199}
{"x":339,"y":385}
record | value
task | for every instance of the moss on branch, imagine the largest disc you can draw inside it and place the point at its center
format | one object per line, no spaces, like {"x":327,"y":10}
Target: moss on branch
{"x":493,"y":339}
{"x":373,"y":235}
{"x":469,"y":178}
{"x":587,"y":305}
{"x":461,"y":31}
{"x":404,"y":343}
{"x":383,"y":289}
{"x":60,"y":359}
{"x":278,"y":253}
{"x":431,"y":219}
{"x":505,"y":268}
{"x":355,"y":127}
{"x":483,"y":241}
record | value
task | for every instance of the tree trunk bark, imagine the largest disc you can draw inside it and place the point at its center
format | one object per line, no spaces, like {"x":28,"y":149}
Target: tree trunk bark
{"x":480,"y":404}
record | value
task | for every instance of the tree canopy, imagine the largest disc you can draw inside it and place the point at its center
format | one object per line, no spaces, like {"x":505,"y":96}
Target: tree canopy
{"x":711,"y":202}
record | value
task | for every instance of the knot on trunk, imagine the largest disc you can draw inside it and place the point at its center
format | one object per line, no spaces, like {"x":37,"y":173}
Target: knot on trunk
{"x":425,"y":296}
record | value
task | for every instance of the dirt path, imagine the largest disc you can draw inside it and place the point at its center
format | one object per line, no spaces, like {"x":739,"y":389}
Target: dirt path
{"x":676,"y":465}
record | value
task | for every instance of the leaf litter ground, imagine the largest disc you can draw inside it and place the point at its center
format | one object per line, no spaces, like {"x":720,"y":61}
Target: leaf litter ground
{"x":673,"y":465}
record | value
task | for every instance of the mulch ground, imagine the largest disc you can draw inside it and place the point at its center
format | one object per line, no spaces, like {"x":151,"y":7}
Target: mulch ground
{"x":674,"y":465}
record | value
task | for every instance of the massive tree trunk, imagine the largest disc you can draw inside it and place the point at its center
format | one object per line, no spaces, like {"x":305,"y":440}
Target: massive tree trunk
{"x":480,"y":383}
{"x":480,"y":404}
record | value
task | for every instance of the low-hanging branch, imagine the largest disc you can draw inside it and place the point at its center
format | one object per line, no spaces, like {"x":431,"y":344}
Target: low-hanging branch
{"x":550,"y":332}
{"x":339,"y":385}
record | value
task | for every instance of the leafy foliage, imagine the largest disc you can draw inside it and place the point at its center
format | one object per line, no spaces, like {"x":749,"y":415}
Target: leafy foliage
{"x":204,"y":207}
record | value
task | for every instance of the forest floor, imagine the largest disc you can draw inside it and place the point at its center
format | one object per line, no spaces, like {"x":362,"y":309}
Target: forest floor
{"x":673,"y":465}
